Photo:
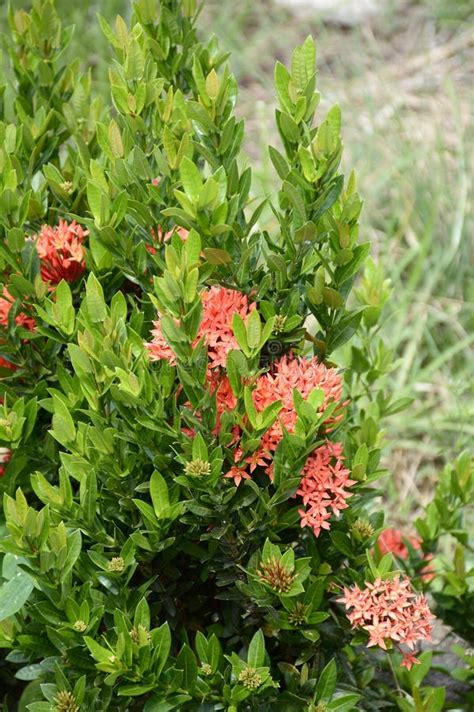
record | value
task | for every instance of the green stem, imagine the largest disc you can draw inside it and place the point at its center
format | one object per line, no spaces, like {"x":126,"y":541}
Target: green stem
{"x":394,"y":674}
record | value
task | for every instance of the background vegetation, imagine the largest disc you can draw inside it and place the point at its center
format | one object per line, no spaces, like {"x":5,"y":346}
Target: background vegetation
{"x":403,"y":78}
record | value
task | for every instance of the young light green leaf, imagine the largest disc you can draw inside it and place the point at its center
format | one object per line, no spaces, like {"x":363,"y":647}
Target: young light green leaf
{"x":159,"y":494}
{"x":190,"y":178}
{"x":256,"y":652}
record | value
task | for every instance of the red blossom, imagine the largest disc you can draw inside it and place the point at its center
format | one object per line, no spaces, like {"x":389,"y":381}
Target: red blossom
{"x":61,"y":251}
{"x":237,"y":474}
{"x":409,"y":660}
{"x":7,"y":364}
{"x":288,"y":373}
{"x":219,"y":305}
{"x":6,"y":303}
{"x":393,"y":541}
{"x":5,"y":457}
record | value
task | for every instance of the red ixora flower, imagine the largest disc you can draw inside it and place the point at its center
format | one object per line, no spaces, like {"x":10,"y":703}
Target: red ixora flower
{"x":7,"y":364}
{"x":6,"y":303}
{"x":393,"y":541}
{"x":288,"y":373}
{"x":219,"y":305}
{"x":390,"y":610}
{"x":61,"y":251}
{"x":5,"y":457}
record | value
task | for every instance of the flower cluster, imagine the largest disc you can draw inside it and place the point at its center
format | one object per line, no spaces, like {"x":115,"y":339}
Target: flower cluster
{"x":324,"y":478}
{"x":288,"y":373}
{"x":323,"y":487}
{"x":219,"y":305}
{"x":61,"y":251}
{"x":21,"y":319}
{"x":393,"y":541}
{"x":389,"y":610}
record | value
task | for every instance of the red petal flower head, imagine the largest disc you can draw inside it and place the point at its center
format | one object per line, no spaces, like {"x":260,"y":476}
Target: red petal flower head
{"x":61,"y":251}
{"x":6,"y":303}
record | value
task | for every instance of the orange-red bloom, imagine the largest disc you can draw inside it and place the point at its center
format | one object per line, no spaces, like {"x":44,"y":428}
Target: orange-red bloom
{"x":219,"y":305}
{"x":288,"y":373}
{"x":61,"y":251}
{"x":5,"y":457}
{"x":393,"y":541}
{"x":7,"y":364}
{"x":237,"y":474}
{"x":409,"y":660}
{"x":6,"y":303}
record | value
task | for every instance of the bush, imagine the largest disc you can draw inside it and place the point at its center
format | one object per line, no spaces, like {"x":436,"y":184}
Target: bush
{"x":188,"y":476}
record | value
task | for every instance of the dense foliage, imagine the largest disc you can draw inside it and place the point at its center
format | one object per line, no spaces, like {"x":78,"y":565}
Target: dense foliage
{"x":191,"y":517}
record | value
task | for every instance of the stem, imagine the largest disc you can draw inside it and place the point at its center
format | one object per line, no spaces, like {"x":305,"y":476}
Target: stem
{"x":394,"y":674}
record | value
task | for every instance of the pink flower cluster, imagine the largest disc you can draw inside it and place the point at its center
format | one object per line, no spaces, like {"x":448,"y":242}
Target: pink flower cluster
{"x":323,"y":487}
{"x":219,"y":305}
{"x":389,"y":610}
{"x":393,"y":541}
{"x":61,"y":251}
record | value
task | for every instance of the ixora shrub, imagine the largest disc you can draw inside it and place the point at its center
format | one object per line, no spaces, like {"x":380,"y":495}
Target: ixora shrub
{"x":188,"y":477}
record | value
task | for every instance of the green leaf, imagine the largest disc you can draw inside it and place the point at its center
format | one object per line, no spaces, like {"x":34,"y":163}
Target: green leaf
{"x":95,"y":299}
{"x":345,"y":703}
{"x":254,"y":329}
{"x":279,"y":162}
{"x":190,"y":178}
{"x":14,"y":594}
{"x":115,"y":140}
{"x":398,"y":405}
{"x":186,"y":661}
{"x":327,"y":682}
{"x":192,"y":247}
{"x":418,"y":672}
{"x":216,"y":256}
{"x":282,"y":80}
{"x":74,"y":546}
{"x":212,"y":85}
{"x":64,"y":429}
{"x":350,"y":268}
{"x":135,"y":690}
{"x":332,"y":298}
{"x":256,"y":652}
{"x":94,"y":198}
{"x":102,"y":655}
{"x":303,"y":64}
{"x":434,"y":702}
{"x":342,"y":542}
{"x":296,"y":199}
{"x":159,"y":494}
{"x":240,"y":332}
{"x":161,"y":639}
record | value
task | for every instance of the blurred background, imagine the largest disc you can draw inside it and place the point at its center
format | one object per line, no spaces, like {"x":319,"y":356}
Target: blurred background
{"x":402,"y":72}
